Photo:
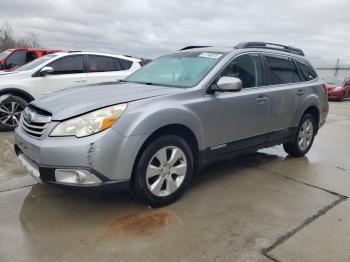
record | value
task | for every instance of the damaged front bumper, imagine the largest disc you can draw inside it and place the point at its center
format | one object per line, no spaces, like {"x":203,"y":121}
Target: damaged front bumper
{"x":69,"y":176}
{"x":99,"y":160}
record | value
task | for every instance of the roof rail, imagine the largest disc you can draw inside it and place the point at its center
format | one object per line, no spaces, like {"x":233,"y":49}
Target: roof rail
{"x":193,"y":47}
{"x":273,"y":46}
{"x":74,"y":51}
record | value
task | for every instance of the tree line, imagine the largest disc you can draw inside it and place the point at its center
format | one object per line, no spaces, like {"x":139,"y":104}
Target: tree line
{"x":9,"y":40}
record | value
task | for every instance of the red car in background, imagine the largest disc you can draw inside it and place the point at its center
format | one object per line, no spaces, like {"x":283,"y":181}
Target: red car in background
{"x":337,"y":87}
{"x":10,"y":59}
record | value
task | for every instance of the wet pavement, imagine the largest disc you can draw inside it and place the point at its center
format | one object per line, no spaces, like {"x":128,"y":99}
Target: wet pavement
{"x":259,"y":207}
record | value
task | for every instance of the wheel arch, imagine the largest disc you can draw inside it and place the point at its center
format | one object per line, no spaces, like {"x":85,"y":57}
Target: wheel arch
{"x":18,"y":92}
{"x":315,"y":112}
{"x":172,"y":129}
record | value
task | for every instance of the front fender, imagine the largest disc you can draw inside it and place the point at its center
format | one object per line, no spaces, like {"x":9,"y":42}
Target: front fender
{"x":142,"y":119}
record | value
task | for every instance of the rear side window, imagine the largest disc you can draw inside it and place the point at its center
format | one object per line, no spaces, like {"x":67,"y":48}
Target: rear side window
{"x":307,"y":73}
{"x":280,"y":70}
{"x":296,"y":76}
{"x":17,"y":58}
{"x":247,"y":68}
{"x":101,"y":64}
{"x":124,"y":64}
{"x":68,"y":65}
{"x":31,"y":56}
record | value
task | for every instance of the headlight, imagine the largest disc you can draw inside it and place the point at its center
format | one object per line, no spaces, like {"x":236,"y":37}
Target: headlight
{"x":338,"y":88}
{"x":90,"y":123}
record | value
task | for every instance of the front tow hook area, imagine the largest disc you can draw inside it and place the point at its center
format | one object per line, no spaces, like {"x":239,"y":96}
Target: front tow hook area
{"x":30,"y":166}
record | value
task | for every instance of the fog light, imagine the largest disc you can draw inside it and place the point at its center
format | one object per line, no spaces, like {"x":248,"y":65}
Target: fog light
{"x":76,"y":177}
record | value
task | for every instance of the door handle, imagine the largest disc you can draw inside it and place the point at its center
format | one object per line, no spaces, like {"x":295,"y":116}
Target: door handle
{"x":80,"y":81}
{"x":300,"y":92}
{"x":261,"y":99}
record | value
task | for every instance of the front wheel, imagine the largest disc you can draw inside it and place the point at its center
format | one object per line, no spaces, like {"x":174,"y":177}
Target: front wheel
{"x":10,"y":112}
{"x":163,"y":171}
{"x":303,"y":138}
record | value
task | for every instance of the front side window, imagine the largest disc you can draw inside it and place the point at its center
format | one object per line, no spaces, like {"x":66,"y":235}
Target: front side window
{"x":17,"y":58}
{"x":68,"y":65}
{"x":31,"y":56}
{"x":184,"y":69}
{"x":247,"y":68}
{"x":279,"y":70}
{"x":101,"y":64}
{"x":306,"y":71}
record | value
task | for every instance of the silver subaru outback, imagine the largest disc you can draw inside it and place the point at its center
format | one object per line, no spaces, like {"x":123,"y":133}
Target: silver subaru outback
{"x":153,"y":131}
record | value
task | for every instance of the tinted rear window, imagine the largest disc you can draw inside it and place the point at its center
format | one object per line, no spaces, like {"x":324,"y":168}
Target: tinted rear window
{"x":280,"y":70}
{"x":124,"y":64}
{"x":101,"y":64}
{"x":307,"y":73}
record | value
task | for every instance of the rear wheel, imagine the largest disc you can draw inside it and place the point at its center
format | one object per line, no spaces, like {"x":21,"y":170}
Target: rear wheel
{"x":304,"y":137}
{"x":163,"y":171}
{"x":10,"y":112}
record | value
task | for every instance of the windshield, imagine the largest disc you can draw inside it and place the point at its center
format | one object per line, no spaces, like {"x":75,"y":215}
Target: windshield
{"x":184,"y":69}
{"x":334,"y":80}
{"x":35,"y":63}
{"x":4,"y":54}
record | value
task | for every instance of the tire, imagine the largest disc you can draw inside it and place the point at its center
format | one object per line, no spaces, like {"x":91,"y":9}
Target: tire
{"x":159,"y":180}
{"x":303,"y":138}
{"x":10,"y":112}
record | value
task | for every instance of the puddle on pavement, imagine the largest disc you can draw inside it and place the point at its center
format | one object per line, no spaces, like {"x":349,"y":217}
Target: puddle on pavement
{"x":86,"y":219}
{"x":148,"y":223}
{"x":143,"y":224}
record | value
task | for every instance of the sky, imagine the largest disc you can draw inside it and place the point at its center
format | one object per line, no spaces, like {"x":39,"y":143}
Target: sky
{"x":150,"y":28}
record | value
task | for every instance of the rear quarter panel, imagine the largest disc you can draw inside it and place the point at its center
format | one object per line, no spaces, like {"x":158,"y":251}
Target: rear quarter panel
{"x":314,"y":96}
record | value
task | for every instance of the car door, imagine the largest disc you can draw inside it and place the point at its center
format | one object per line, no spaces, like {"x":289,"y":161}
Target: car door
{"x":236,"y":120}
{"x":67,"y":72}
{"x":285,"y":92}
{"x":105,"y":69}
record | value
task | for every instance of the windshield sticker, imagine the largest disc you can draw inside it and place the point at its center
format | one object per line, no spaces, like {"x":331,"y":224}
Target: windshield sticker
{"x":210,"y":55}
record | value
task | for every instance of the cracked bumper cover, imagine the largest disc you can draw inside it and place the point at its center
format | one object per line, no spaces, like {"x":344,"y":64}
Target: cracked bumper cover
{"x":107,"y":155}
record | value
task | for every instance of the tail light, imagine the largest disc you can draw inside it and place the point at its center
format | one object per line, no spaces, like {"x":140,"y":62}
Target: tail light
{"x":325,"y":87}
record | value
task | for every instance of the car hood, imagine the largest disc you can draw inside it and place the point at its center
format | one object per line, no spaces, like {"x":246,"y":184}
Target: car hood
{"x":332,"y":86}
{"x":75,"y":101}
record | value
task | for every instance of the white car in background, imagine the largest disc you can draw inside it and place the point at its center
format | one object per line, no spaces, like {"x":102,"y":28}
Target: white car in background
{"x":54,"y":72}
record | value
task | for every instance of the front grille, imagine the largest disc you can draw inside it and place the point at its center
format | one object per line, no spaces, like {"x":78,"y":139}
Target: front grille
{"x":33,"y":129}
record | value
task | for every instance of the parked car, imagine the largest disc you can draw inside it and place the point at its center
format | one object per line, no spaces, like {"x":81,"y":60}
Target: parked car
{"x":173,"y":116}
{"x":54,"y":72}
{"x":10,"y":59}
{"x":337,"y":87}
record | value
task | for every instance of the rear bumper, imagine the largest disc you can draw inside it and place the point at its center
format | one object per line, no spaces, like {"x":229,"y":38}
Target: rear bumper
{"x":46,"y":174}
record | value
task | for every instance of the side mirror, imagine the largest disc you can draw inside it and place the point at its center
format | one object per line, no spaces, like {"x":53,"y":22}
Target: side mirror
{"x":46,"y":70}
{"x":229,"y":84}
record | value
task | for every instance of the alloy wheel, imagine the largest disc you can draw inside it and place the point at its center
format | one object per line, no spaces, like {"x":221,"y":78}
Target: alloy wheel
{"x":166,"y":171}
{"x":10,"y":113}
{"x":306,"y":134}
